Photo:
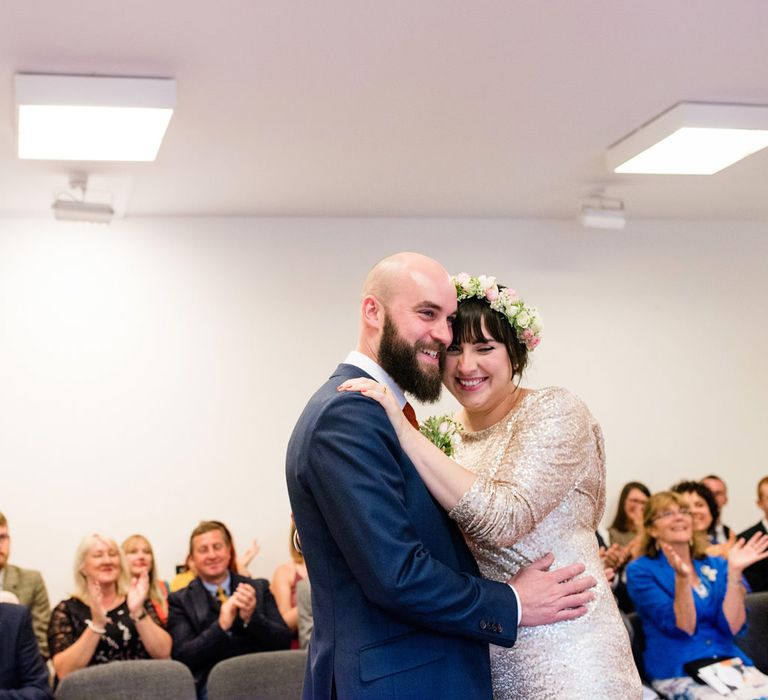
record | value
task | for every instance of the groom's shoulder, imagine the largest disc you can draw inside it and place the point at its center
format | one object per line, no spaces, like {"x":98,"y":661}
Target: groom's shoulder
{"x":329,"y":401}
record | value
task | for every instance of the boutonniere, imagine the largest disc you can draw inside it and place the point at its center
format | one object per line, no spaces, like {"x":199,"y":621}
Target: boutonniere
{"x":709,"y":572}
{"x":442,"y":431}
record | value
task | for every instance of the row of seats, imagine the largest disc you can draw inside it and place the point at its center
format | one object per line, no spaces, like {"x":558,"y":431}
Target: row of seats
{"x":267,"y":675}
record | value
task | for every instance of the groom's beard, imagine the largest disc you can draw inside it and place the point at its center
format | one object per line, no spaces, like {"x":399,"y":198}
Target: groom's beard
{"x":400,"y":360}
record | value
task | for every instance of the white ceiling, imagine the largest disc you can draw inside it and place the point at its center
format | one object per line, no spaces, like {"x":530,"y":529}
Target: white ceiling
{"x":396,"y":107}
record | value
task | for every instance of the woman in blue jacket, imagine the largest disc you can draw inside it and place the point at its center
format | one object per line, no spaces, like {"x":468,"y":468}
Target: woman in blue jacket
{"x":691,"y":604}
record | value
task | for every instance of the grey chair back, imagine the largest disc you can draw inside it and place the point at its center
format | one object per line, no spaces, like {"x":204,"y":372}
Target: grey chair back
{"x":755,"y":642}
{"x":265,"y":675}
{"x":129,"y":680}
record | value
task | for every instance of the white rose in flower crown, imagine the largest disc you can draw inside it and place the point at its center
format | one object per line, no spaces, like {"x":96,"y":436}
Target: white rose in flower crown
{"x":522,"y":319}
{"x":485,"y":282}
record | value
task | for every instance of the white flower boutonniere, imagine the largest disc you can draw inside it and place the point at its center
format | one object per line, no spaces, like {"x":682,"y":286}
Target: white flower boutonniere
{"x":442,"y":431}
{"x":709,"y":572}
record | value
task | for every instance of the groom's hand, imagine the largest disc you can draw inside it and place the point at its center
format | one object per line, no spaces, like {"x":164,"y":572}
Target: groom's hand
{"x":552,"y":596}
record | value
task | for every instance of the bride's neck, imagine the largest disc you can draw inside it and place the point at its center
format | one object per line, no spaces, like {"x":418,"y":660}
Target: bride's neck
{"x":486,"y":417}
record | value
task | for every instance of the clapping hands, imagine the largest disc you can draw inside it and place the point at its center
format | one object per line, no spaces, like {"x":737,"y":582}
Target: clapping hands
{"x":241,"y":603}
{"x":744,"y":554}
{"x":98,"y":611}
{"x":247,"y":557}
{"x":137,"y":593}
{"x":680,"y":567}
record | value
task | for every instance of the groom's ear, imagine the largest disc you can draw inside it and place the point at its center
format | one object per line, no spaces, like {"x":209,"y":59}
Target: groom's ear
{"x":373,"y":311}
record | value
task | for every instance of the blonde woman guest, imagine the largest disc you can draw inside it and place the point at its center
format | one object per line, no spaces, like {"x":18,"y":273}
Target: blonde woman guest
{"x":691,"y":604}
{"x":140,"y":559}
{"x":283,"y":586}
{"x":107,"y":618}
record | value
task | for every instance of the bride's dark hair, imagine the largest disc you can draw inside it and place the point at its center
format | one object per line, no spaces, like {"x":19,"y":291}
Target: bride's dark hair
{"x":472,"y":314}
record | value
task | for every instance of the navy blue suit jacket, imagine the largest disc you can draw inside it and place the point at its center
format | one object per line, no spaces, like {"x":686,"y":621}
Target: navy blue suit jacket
{"x":399,"y":610}
{"x":22,"y":672}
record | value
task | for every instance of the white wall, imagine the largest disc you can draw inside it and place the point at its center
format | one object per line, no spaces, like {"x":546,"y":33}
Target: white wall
{"x":151,"y":371}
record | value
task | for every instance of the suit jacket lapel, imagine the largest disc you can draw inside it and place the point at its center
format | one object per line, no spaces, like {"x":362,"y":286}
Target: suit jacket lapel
{"x":202,"y":602}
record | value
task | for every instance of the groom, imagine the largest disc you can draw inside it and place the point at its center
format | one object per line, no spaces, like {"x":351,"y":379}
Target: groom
{"x":399,"y":608}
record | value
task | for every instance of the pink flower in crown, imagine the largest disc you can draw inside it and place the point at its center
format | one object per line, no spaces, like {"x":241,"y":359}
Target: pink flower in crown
{"x":463,"y":279}
{"x":492,"y":293}
{"x":533,"y":342}
{"x":511,"y":293}
{"x":527,"y":334}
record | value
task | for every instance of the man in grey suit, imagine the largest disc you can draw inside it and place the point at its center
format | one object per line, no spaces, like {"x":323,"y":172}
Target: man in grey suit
{"x":27,"y":586}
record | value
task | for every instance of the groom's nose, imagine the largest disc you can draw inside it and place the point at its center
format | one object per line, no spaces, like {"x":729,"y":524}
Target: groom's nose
{"x":442,"y":333}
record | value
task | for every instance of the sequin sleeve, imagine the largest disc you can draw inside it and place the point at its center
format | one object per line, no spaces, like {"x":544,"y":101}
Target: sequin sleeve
{"x":551,"y":445}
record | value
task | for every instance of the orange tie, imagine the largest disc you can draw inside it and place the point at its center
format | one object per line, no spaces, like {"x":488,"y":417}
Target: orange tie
{"x":410,"y":414}
{"x":221,"y":596}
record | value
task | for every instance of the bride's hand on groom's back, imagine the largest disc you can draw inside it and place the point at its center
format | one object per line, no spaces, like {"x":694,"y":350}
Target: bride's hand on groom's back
{"x":551,"y":596}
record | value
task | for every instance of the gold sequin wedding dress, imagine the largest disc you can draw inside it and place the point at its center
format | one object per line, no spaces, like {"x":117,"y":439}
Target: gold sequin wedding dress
{"x":541,"y":488}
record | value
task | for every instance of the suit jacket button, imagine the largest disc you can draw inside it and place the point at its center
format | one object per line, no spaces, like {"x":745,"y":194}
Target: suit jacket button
{"x":483,"y":625}
{"x":500,"y":628}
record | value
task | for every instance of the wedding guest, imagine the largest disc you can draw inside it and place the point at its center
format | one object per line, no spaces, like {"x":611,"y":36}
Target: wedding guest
{"x":283,"y":586}
{"x":23,"y":675}
{"x":140,"y":559}
{"x":705,"y":513}
{"x":107,"y":618}
{"x":221,"y":614}
{"x":757,"y":574}
{"x":722,"y":533}
{"x":691,"y":604}
{"x":27,"y":586}
{"x":628,"y":520}
{"x":184,"y":578}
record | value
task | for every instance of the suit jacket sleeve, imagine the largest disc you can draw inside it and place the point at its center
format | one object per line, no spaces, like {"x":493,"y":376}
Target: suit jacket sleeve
{"x":356,"y":478}
{"x":30,"y":669}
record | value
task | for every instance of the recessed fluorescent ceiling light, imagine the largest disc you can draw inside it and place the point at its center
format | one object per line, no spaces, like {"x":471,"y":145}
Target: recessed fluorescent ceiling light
{"x":692,"y":138}
{"x":66,"y":117}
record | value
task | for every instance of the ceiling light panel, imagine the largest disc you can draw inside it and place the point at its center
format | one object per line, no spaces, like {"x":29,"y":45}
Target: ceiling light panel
{"x":92,"y":118}
{"x":692,"y":139}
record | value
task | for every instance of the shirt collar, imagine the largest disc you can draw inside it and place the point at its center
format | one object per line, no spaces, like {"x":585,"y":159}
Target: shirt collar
{"x":366,"y":364}
{"x":213,"y":587}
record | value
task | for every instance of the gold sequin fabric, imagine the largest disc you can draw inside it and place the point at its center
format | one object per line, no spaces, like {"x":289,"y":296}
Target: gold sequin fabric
{"x":540,"y":488}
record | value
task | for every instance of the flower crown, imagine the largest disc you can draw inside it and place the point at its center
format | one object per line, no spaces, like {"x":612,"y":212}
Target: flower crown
{"x":524,"y":319}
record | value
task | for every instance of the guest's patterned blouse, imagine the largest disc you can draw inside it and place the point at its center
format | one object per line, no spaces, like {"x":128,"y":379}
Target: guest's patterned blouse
{"x":120,"y":642}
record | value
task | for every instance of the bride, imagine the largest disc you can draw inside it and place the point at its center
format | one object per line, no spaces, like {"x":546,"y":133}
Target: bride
{"x":527,"y":477}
